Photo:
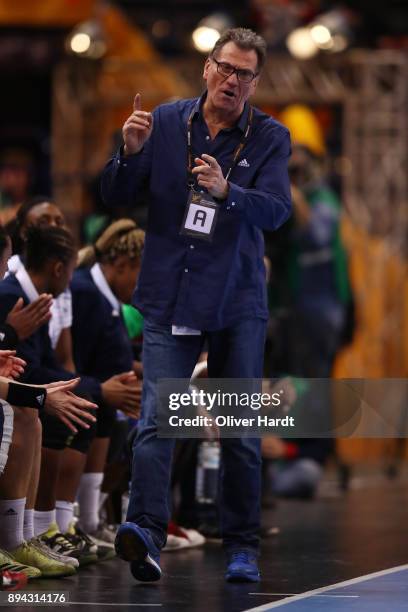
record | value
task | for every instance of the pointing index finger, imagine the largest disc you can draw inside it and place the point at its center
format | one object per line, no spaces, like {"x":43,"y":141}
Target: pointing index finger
{"x":137,"y":103}
{"x":210,"y":160}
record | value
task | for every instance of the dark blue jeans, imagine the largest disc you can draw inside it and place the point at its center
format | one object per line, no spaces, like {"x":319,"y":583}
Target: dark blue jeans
{"x":235,"y":352}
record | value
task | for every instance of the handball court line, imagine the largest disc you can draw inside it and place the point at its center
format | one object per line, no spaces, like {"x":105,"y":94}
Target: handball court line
{"x":323,"y":590}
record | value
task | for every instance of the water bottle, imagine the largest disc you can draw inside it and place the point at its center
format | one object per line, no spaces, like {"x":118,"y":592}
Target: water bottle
{"x":208,"y":466}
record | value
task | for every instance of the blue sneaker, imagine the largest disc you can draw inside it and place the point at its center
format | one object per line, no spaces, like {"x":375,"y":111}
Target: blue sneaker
{"x":242,"y":567}
{"x":135,"y":544}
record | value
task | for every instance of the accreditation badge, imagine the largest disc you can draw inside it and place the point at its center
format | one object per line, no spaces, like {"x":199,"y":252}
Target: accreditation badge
{"x":200,"y":217}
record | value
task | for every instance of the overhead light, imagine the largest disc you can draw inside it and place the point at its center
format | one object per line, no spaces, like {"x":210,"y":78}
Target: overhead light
{"x":329,"y":32}
{"x":209,"y":30}
{"x":321,"y":35}
{"x":301,"y":43}
{"x":80,"y":42}
{"x":205,"y":38}
{"x":87,"y":40}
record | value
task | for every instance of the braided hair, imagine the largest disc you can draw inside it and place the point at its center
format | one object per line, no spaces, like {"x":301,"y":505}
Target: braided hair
{"x":122,"y":237}
{"x":45,"y":243}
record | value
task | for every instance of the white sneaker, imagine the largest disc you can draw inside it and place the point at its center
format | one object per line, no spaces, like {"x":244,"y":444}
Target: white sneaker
{"x":38,"y":543}
{"x":180,"y":538}
{"x":104,"y":534}
{"x":194,"y":537}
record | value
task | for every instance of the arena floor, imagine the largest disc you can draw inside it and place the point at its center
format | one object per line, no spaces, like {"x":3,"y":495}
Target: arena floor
{"x":321,"y":544}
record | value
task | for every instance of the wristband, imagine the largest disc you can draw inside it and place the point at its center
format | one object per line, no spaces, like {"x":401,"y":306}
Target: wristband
{"x":26,"y":395}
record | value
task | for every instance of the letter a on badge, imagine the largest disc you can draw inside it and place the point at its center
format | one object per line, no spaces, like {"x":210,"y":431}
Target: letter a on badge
{"x":200,"y":215}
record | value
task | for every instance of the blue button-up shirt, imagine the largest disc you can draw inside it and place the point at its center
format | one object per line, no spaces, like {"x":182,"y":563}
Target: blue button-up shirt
{"x":186,"y":280}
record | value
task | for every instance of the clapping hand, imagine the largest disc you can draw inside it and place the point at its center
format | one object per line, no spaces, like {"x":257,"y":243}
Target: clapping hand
{"x":10,"y":365}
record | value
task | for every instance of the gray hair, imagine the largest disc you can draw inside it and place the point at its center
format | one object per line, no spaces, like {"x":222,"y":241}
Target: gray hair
{"x":246,"y":39}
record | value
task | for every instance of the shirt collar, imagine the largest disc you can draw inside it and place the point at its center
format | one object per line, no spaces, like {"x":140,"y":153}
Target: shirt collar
{"x":26,"y":283}
{"x":102,"y":284}
{"x":14,"y":264}
{"x":242,"y":121}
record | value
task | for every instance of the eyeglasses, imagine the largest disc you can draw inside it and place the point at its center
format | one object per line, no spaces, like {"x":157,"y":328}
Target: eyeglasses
{"x":244,"y":75}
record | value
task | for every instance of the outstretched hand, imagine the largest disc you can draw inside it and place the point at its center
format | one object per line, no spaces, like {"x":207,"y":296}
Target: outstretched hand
{"x":10,"y":365}
{"x":66,"y":406}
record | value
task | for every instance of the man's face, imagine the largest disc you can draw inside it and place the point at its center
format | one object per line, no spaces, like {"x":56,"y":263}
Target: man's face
{"x":229,"y":94}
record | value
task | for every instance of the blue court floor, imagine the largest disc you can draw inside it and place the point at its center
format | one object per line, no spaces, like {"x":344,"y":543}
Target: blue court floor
{"x":379,"y":592}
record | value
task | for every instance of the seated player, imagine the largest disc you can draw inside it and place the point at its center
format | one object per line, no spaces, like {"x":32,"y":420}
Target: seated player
{"x":15,"y":482}
{"x":102,"y":348}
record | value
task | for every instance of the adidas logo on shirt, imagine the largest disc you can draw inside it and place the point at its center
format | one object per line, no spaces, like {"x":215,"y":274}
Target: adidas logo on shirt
{"x":243,"y":163}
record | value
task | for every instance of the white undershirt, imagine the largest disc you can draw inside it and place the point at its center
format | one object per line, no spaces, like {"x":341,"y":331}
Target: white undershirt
{"x":102,"y":284}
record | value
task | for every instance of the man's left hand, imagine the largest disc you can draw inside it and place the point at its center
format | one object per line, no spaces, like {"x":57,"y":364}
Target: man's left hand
{"x":210,"y":176}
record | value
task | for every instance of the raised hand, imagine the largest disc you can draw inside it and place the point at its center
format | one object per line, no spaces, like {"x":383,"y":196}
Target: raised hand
{"x":27,"y":319}
{"x":137,"y":128}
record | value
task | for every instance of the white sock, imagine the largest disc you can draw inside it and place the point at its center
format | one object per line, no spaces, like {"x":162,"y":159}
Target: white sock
{"x":88,"y":499}
{"x":42,"y":520}
{"x":102,"y":499}
{"x":65,"y":514}
{"x":28,"y":527}
{"x":11,"y":523}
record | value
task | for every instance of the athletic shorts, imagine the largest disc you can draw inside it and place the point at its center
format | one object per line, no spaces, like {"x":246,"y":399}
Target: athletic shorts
{"x":6,"y":432}
{"x":58,"y":436}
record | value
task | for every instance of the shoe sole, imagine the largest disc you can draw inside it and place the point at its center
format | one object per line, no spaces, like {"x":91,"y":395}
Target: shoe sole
{"x":57,"y":572}
{"x":146,"y":571}
{"x":242,"y":577}
{"x":131,"y":547}
{"x":69,"y":571}
{"x":31,"y":576}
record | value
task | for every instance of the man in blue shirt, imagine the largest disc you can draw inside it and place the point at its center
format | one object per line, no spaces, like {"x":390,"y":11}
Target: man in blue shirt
{"x":216,"y":170}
